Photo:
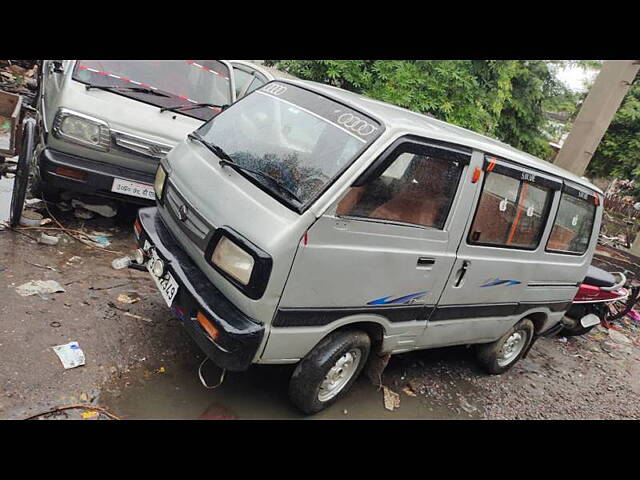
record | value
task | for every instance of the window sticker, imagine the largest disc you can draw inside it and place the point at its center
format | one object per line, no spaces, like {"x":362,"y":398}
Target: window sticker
{"x":574,"y":221}
{"x":503,"y":205}
{"x":530,"y":211}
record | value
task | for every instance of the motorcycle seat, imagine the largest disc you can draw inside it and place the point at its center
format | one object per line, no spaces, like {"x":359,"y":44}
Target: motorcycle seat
{"x":599,"y":278}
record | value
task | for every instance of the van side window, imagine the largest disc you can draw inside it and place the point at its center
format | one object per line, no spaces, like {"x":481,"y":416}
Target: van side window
{"x":417,"y":188}
{"x":511,"y":213}
{"x":573,"y":225}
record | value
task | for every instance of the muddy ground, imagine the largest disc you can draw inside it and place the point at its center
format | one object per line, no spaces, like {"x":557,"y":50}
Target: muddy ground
{"x":141,"y":364}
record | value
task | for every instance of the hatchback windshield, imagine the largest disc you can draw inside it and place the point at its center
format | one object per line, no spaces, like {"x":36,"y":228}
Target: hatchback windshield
{"x":181,"y":82}
{"x":300,"y":139}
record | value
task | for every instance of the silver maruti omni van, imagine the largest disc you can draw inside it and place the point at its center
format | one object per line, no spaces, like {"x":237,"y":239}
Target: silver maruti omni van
{"x":310,"y":225}
{"x":105,"y":124}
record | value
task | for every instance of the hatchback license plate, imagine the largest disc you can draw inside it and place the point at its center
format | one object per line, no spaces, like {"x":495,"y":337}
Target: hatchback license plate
{"x":134,"y":189}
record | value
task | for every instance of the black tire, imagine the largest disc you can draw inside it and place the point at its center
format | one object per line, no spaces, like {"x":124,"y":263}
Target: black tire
{"x":488,"y":354}
{"x":22,"y":171}
{"x":304,"y":386}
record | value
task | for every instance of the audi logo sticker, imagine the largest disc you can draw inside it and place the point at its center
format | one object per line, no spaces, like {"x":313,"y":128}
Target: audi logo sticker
{"x":275,"y":89}
{"x":356,"y":124}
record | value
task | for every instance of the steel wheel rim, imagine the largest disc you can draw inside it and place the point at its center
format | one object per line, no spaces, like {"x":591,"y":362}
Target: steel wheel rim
{"x":339,"y":375}
{"x":512,"y":347}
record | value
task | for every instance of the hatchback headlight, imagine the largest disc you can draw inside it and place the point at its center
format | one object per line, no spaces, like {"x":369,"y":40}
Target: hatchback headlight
{"x":233,"y":260}
{"x":78,"y":128}
{"x":158,"y":184}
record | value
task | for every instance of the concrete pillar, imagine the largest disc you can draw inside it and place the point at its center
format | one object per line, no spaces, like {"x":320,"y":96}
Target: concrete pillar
{"x":596,"y":114}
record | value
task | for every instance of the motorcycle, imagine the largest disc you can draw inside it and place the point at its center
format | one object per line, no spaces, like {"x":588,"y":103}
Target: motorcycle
{"x":602,"y":298}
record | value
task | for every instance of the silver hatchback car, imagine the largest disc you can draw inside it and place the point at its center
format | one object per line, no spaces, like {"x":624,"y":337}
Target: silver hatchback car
{"x":309,"y":225}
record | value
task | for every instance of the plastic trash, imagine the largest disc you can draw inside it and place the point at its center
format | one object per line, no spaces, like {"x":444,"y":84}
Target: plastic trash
{"x":120,"y":263}
{"x":30,"y":218}
{"x":101,"y":241}
{"x":48,"y":239}
{"x":70,"y":354}
{"x":391,"y":399}
{"x":634,"y":315}
{"x":106,"y":210}
{"x":39,"y":287}
{"x":83,"y":214}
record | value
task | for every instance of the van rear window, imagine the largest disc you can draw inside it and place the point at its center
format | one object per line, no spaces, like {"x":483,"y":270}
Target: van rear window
{"x":511,"y":213}
{"x":573,"y":225}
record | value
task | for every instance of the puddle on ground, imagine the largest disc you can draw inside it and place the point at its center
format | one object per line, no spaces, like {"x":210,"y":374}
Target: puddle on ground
{"x":259,"y":393}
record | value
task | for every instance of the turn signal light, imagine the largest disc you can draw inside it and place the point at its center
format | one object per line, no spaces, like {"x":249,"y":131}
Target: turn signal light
{"x":71,"y":173}
{"x":137,"y":227}
{"x":208,"y":326}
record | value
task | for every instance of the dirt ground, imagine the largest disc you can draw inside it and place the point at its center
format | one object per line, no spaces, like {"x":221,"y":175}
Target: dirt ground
{"x":141,"y":364}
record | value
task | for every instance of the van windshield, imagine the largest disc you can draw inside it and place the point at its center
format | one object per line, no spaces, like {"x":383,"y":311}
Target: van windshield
{"x":299,"y":138}
{"x":181,"y":81}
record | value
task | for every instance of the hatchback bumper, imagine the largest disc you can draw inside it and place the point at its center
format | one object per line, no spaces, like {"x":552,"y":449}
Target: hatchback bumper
{"x":97,"y":176}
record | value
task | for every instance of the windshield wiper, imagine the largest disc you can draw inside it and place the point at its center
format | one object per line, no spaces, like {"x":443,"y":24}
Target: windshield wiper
{"x":214,"y":148}
{"x":192,"y":106}
{"x":126,"y":89}
{"x":227,"y":160}
{"x":262,"y":174}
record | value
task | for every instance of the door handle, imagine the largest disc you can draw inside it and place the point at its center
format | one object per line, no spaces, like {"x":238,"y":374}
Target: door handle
{"x":425,"y":262}
{"x":461,"y":273}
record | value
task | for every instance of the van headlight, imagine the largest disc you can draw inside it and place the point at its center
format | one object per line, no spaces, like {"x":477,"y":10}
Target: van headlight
{"x":232,"y":259}
{"x":82,"y":129}
{"x":158,"y":184}
{"x":240,"y":261}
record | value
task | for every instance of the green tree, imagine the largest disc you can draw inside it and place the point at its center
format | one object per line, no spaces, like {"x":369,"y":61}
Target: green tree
{"x":618,"y":155}
{"x":503,"y":99}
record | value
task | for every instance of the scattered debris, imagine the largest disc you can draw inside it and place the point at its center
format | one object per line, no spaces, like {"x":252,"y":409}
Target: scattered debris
{"x":391,"y":399}
{"x":409,"y":391}
{"x":466,"y":406}
{"x":619,"y":337}
{"x":48,"y":239}
{"x":101,"y":241}
{"x":634,"y":315}
{"x":29,"y":218}
{"x":55,"y":324}
{"x":70,"y":354}
{"x":106,"y":210}
{"x":102,"y":410}
{"x":139,"y":317}
{"x":41,"y":266}
{"x":132,"y":297}
{"x":39,"y":287}
{"x":83,"y":214}
{"x":563,"y":340}
{"x":120,"y":263}
{"x":90,"y":415}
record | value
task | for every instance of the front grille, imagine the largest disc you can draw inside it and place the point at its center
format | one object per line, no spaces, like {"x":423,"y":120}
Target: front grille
{"x":138,"y":145}
{"x":190,"y":221}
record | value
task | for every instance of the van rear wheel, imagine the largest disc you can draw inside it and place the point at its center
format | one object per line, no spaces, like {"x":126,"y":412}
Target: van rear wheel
{"x":499,"y":356}
{"x":326,"y":373}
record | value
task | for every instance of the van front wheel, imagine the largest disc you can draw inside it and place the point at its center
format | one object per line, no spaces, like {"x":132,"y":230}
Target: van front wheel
{"x":501,"y":355}
{"x":328,"y":371}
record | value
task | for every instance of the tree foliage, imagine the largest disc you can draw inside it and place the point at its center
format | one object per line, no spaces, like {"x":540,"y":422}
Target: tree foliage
{"x":502,"y":99}
{"x":618,"y":155}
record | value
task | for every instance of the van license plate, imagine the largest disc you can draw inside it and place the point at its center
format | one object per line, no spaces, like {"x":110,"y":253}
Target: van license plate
{"x":134,"y":189}
{"x":167,"y":284}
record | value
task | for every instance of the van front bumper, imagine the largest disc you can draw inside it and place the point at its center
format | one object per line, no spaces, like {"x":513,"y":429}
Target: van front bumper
{"x":239,"y":336}
{"x":98,"y":176}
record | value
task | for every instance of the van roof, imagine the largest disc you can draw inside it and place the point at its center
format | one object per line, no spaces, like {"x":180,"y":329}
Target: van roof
{"x":397,"y":117}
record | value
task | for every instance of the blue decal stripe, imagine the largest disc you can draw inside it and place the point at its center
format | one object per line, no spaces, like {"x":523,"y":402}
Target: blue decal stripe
{"x":403,"y":299}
